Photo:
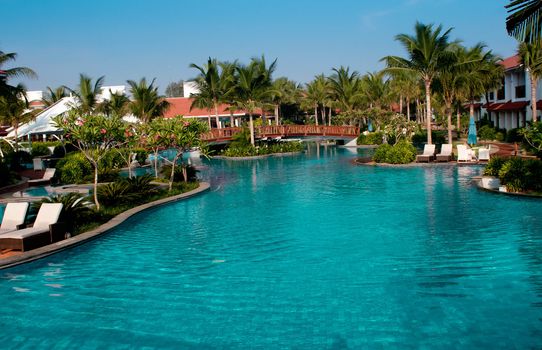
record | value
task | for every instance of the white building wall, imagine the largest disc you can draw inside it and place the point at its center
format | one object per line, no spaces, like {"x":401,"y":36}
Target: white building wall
{"x":190,"y":88}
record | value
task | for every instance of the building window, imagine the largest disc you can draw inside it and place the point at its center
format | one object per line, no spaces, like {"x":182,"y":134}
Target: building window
{"x":520,"y":91}
{"x":492,"y":96}
{"x":500,"y":94}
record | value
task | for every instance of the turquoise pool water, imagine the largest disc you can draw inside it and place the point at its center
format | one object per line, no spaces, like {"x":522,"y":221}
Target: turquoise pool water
{"x":304,"y":252}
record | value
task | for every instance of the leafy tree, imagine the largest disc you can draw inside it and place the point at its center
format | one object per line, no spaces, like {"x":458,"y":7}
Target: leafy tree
{"x":146,"y":103}
{"x":179,"y":134}
{"x":284,"y":91}
{"x":524,"y":22}
{"x":94,"y":136}
{"x":211,"y":89}
{"x":427,"y":53}
{"x":316,"y":94}
{"x":347,"y":91}
{"x":175,"y":89}
{"x":533,"y":135}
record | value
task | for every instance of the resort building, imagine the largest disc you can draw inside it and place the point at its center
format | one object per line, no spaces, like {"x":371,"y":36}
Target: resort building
{"x":509,"y":107}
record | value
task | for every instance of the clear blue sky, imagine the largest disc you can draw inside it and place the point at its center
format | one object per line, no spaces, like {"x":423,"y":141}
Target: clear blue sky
{"x":124,"y":39}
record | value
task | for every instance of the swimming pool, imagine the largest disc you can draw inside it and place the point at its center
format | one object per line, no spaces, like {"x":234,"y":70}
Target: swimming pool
{"x":304,"y":252}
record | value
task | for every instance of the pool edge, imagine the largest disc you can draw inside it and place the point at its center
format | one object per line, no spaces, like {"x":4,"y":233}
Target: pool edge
{"x":97,"y":232}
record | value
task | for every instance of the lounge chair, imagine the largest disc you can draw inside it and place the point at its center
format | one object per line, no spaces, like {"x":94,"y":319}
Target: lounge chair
{"x":47,"y":176}
{"x":464,"y":154}
{"x":46,"y":230}
{"x":427,"y":155}
{"x":14,"y":216}
{"x":445,"y":154}
{"x":483,"y":154}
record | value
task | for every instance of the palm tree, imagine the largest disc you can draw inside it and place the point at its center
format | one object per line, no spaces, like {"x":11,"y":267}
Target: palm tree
{"x":316,"y":94}
{"x":284,"y":91}
{"x":118,"y":105}
{"x":524,"y":22}
{"x":14,"y":72}
{"x":15,"y":112}
{"x":253,"y":87}
{"x":53,"y":96}
{"x":208,"y":84}
{"x":228,"y":81}
{"x":481,"y":72}
{"x":146,"y":103}
{"x":346,"y":90}
{"x":427,"y":54}
{"x":531,"y":57}
{"x":376,"y":89}
{"x":87,"y":93}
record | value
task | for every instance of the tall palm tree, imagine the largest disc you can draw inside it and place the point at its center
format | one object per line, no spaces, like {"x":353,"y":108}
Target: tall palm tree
{"x":209,"y":85}
{"x":253,"y":87}
{"x":524,"y":22}
{"x":53,"y":96}
{"x":146,"y":103}
{"x":316,"y":94}
{"x":427,"y":54}
{"x":531,"y":57}
{"x":376,"y":89}
{"x":14,"y":72}
{"x":228,"y":81}
{"x":87,"y":93}
{"x":346,"y":90}
{"x":284,"y":91}
{"x":15,"y":112}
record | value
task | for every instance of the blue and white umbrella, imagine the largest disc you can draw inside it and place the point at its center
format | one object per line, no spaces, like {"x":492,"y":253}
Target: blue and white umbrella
{"x":472,"y":140}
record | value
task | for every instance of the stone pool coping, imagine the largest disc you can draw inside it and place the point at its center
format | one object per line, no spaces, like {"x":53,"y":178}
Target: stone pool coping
{"x":50,"y":249}
{"x":478,"y":182}
{"x":415,"y":165}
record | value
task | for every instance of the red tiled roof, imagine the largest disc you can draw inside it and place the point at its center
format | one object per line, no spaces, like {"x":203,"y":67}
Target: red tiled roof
{"x":476,"y":105}
{"x":507,"y":106}
{"x":181,"y":106}
{"x":511,"y":62}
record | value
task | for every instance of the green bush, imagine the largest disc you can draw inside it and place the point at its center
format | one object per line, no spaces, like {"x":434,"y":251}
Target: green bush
{"x":7,"y":177}
{"x":40,"y":149}
{"x":251,"y":151}
{"x":16,"y":159}
{"x":500,"y":136}
{"x":74,"y":168}
{"x":494,"y":166}
{"x":513,"y":175}
{"x":533,"y":176}
{"x":373,"y":138}
{"x":486,"y":132}
{"x":116,"y":192}
{"x":191,"y":173}
{"x":400,"y":153}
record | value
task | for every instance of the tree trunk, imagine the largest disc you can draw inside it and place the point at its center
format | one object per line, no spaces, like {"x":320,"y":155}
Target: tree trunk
{"x":449,"y":115}
{"x":316,"y":114}
{"x":458,"y":122}
{"x":156,"y":162}
{"x":16,"y":129}
{"x":95,"y":164}
{"x":185,"y":173}
{"x":408,"y":109}
{"x":277,"y":114}
{"x":534,"y":83}
{"x":428,"y":110}
{"x":251,"y":127}
{"x":323,"y":115}
{"x":209,"y":120}
{"x":400,"y":104}
{"x":329,"y":117}
{"x":232,"y":124}
{"x":216,"y":116}
{"x":172,"y":175}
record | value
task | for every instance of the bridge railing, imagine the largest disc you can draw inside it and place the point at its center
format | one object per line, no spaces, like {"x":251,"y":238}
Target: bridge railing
{"x":285,"y":131}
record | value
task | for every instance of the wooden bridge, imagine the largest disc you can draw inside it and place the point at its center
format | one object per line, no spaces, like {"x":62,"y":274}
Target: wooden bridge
{"x":340,"y":132}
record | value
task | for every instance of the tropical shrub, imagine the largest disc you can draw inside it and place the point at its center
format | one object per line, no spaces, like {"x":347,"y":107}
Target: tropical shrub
{"x":7,"y":177}
{"x":74,"y":168}
{"x":372,"y":138}
{"x":264,"y":149}
{"x":141,"y":184}
{"x":401,"y":153}
{"x":533,"y":175}
{"x":16,"y":159}
{"x":487,"y":132}
{"x":500,"y":136}
{"x":381,"y":153}
{"x":40,"y":149}
{"x":513,"y":175}
{"x":514,"y":135}
{"x":116,"y":192}
{"x":75,"y":208}
{"x":494,"y":166}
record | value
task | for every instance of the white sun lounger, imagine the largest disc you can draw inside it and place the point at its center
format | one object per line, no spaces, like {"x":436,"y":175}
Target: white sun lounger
{"x":427,"y":155}
{"x":47,"y":176}
{"x":14,"y":216}
{"x":44,"y":231}
{"x":445,"y":154}
{"x":464,"y":154}
{"x":483,"y":154}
